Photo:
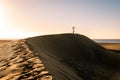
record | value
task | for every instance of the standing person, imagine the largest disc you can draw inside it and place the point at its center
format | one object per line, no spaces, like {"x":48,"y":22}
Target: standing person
{"x":73,"y":29}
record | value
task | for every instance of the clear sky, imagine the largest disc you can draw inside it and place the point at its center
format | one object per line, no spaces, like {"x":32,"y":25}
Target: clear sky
{"x":93,"y":18}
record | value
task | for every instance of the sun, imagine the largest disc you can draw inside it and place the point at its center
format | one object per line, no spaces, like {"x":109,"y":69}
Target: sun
{"x":8,"y":30}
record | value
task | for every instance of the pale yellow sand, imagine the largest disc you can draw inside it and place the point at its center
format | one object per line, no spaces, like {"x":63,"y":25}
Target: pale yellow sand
{"x":17,"y":62}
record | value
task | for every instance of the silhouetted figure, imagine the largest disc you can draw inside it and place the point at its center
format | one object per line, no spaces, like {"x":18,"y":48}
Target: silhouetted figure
{"x":73,"y":29}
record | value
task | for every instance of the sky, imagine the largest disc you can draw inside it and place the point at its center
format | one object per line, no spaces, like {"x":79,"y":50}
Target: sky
{"x":97,"y":19}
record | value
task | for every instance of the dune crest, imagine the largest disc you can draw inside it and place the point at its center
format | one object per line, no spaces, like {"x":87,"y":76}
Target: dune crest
{"x":18,"y":62}
{"x":57,"y":57}
{"x":75,"y":57}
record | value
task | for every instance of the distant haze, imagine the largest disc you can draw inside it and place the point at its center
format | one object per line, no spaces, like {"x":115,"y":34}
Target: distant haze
{"x":98,"y":19}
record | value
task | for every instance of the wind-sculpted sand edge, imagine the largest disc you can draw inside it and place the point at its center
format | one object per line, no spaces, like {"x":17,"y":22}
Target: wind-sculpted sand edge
{"x":18,"y":62}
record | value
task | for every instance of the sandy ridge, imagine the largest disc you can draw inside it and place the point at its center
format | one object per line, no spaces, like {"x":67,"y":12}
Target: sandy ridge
{"x":18,"y":62}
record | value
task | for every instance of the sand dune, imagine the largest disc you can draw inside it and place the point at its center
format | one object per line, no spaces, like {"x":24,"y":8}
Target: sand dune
{"x":18,"y":62}
{"x":75,"y":57}
{"x":57,"y":57}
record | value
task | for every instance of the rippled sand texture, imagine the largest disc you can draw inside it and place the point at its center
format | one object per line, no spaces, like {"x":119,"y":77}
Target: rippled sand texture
{"x":18,"y":62}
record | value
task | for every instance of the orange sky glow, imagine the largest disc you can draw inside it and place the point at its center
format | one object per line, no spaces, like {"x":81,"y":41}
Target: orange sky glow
{"x":27,"y":18}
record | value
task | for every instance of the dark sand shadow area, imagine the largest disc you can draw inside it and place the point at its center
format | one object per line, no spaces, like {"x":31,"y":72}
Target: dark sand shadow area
{"x":75,"y":57}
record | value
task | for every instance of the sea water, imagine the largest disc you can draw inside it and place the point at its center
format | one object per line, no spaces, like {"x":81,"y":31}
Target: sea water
{"x":107,"y":40}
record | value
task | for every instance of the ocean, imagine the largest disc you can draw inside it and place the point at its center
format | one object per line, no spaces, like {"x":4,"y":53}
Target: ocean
{"x":107,"y":40}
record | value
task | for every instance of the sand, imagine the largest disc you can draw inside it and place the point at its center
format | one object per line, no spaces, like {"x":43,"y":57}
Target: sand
{"x":18,"y":62}
{"x":58,"y":57}
{"x":112,"y":46}
{"x":75,"y":57}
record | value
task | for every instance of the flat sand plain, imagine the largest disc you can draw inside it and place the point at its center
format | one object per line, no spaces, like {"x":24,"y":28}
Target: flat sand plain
{"x":111,"y":46}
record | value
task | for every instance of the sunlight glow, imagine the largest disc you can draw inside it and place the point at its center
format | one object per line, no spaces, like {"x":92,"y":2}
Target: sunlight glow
{"x":12,"y":33}
{"x":29,"y":18}
{"x":2,"y":16}
{"x":7,"y":31}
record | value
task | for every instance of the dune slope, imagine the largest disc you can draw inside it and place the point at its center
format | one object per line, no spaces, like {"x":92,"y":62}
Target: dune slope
{"x":75,"y":57}
{"x":18,"y":62}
